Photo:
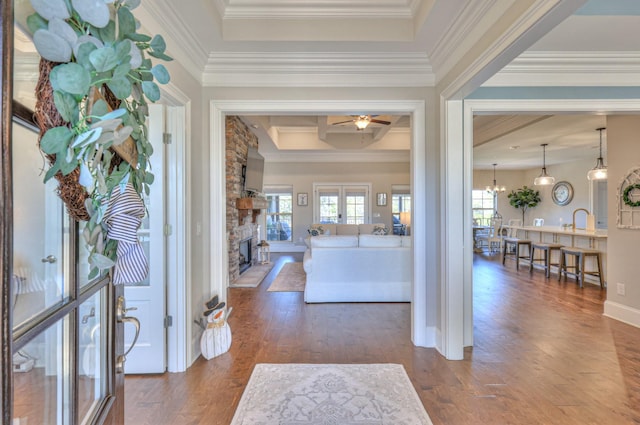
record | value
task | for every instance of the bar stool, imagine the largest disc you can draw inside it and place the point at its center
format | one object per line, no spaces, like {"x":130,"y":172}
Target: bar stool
{"x":515,"y":243}
{"x":580,"y":255}
{"x":547,"y":249}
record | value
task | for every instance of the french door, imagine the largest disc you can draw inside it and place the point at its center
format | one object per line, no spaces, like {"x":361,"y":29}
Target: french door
{"x":342,"y":203}
{"x":61,"y":340}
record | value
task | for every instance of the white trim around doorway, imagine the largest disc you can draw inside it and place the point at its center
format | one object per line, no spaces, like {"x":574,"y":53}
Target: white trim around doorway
{"x":534,"y":106}
{"x":421,"y":334}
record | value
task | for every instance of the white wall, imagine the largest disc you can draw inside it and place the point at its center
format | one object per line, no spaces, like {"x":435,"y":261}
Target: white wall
{"x":302,"y":176}
{"x":623,"y":152}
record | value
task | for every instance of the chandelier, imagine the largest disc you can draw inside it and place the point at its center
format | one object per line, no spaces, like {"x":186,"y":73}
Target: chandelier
{"x":495,"y":189}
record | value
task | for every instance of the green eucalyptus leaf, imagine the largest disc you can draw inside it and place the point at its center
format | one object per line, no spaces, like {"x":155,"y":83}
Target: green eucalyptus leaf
{"x":142,"y":38}
{"x":50,"y":9}
{"x":52,"y":171}
{"x":56,"y":140}
{"x":160,"y":56}
{"x":126,"y":22}
{"x":95,"y":12}
{"x":151,"y":90}
{"x":82,"y":53}
{"x":104,"y":59}
{"x":62,"y":29}
{"x":67,"y":106}
{"x":100,"y":109}
{"x":123,"y":49}
{"x":146,"y":64}
{"x":108,"y":33}
{"x":36,"y":22}
{"x":121,"y":70}
{"x":51,"y":46}
{"x":73,"y":78}
{"x":149,"y":178}
{"x":66,"y":167}
{"x":132,"y":4}
{"x":121,"y":87}
{"x":161,"y":74}
{"x":157,"y":44}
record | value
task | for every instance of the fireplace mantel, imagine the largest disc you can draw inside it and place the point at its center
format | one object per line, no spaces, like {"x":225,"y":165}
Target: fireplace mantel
{"x":245,"y":205}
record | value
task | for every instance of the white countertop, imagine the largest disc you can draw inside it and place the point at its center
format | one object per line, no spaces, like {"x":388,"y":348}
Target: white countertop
{"x":598,"y":233}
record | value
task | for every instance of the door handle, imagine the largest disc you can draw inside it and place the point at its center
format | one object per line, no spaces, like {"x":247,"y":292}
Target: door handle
{"x":121,"y":317}
{"x":49,"y":259}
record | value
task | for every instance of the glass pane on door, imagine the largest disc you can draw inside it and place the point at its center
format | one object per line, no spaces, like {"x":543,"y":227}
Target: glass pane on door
{"x":41,"y":228}
{"x":41,"y":369}
{"x":92,"y":364}
{"x":355,"y":206}
{"x":329,"y":207}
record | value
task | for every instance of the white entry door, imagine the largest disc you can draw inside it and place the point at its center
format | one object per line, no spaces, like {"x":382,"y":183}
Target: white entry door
{"x":148,"y":297}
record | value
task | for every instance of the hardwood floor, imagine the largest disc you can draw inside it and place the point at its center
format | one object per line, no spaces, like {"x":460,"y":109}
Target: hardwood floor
{"x":543,"y":354}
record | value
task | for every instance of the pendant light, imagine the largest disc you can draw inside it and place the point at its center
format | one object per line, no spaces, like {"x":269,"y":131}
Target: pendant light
{"x":495,"y":189}
{"x":544,"y":179}
{"x":599,"y":172}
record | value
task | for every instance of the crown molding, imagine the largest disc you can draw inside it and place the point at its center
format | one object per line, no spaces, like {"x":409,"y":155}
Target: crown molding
{"x":320,"y":9}
{"x":307,"y":69}
{"x":457,"y":32}
{"x":161,"y":17}
{"x":338,"y":156}
{"x":535,"y":69}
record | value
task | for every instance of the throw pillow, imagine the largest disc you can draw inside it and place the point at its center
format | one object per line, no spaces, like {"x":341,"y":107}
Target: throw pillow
{"x":316,"y":230}
{"x":380,"y":230}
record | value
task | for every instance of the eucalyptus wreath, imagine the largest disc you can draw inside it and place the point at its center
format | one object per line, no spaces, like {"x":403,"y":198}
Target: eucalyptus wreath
{"x":94,"y":47}
{"x":627,"y":199}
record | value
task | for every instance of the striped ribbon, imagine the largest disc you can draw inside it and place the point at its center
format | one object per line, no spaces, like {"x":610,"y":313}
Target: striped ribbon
{"x":123,"y":218}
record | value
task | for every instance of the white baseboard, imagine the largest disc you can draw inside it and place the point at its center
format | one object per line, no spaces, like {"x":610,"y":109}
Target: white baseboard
{"x":623,"y":313}
{"x":427,"y":339}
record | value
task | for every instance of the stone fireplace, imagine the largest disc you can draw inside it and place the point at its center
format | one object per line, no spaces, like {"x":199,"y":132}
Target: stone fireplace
{"x":242,"y":228}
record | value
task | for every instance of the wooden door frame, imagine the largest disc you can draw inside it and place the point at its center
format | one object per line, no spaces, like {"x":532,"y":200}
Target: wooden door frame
{"x":6,"y":209}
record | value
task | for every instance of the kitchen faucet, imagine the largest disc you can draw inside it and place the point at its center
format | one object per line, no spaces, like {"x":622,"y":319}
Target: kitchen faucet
{"x":573,"y":224}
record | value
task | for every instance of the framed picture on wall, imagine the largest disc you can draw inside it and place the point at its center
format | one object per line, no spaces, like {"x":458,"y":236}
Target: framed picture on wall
{"x":381,"y":199}
{"x":303,"y":199}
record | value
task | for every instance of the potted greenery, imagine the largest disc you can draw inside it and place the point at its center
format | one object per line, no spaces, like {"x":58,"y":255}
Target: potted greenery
{"x":91,"y":105}
{"x":524,"y":198}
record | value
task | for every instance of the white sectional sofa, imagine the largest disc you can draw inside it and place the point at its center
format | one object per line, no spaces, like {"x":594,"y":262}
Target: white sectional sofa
{"x":358,"y":268}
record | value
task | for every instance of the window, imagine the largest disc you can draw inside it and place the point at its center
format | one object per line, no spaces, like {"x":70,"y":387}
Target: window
{"x":483,"y":206}
{"x":400,"y":202}
{"x":279,"y":213}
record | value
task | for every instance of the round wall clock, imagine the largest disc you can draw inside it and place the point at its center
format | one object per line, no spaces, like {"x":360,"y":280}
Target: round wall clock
{"x":562,"y":193}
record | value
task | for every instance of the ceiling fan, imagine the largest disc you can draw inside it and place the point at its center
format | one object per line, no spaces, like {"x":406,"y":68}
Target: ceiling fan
{"x":362,"y":121}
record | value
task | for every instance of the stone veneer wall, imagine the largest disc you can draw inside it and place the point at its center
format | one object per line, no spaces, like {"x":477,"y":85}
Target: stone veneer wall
{"x":238,"y":140}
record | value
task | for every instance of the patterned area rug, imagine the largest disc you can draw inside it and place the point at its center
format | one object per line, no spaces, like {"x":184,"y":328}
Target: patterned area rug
{"x":252,"y":277}
{"x":323,"y":394}
{"x":291,"y":278}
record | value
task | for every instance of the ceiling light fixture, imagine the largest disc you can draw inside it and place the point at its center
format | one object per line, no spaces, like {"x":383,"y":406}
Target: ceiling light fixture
{"x":495,"y":189}
{"x":362,"y":122}
{"x":544,"y":179}
{"x":599,"y":172}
